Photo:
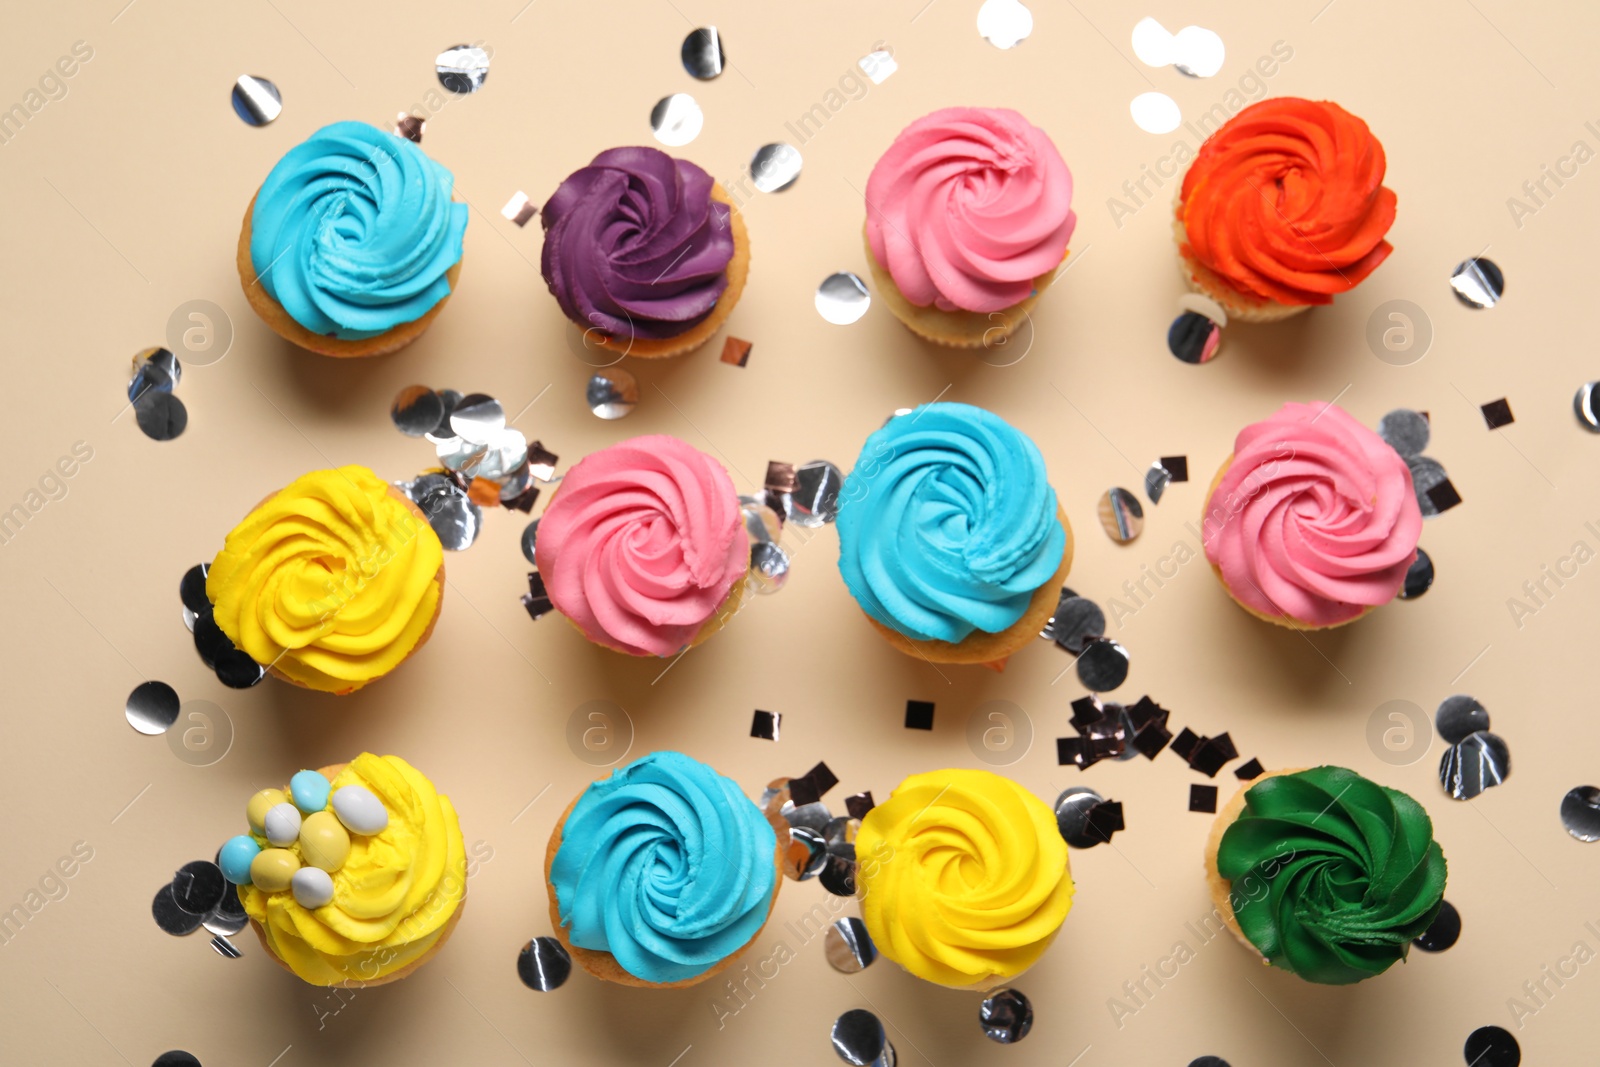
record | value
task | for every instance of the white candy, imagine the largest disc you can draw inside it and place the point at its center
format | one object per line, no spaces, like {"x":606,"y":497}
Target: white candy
{"x":359,"y":810}
{"x":312,"y":887}
{"x":282,"y":824}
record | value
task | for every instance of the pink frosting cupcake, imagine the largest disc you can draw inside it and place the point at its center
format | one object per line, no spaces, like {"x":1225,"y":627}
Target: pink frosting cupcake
{"x":968,"y":217}
{"x":1312,"y":522}
{"x":643,"y":548}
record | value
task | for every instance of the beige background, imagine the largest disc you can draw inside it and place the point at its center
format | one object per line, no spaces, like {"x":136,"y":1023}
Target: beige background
{"x":122,"y":200}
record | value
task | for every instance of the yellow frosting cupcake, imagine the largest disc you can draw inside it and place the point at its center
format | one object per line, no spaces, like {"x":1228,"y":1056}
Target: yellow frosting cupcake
{"x":963,"y":877}
{"x":396,"y":893}
{"x":331,"y":582}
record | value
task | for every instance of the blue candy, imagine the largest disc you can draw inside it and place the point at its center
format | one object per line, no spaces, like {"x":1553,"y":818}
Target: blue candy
{"x":309,"y":791}
{"x":235,"y":857}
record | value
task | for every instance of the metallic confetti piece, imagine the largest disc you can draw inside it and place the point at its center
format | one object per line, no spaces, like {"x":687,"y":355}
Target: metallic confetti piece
{"x":417,"y":410}
{"x":702,"y":53}
{"x":236,"y":670}
{"x":171,"y":918}
{"x":1580,"y":812}
{"x":780,"y":477}
{"x":154,"y":368}
{"x":161,"y":416}
{"x":813,"y":815}
{"x":1426,"y":474}
{"x":542,"y":462}
{"x":536,"y":600}
{"x":1491,"y":1046}
{"x":256,"y":100}
{"x":1155,"y":481}
{"x":1477,"y":762}
{"x":838,"y":874}
{"x":877,"y":66}
{"x":544,"y":964}
{"x":814,"y":500}
{"x":676,"y":119}
{"x":775,"y":167}
{"x":1006,"y":1016}
{"x":1121,"y":515}
{"x":735,"y":350}
{"x":529,"y":532}
{"x":1203,"y":798}
{"x":1443,"y":932}
{"x":450,"y":398}
{"x":858,"y":804}
{"x":1105,"y":819}
{"x":192,"y":588}
{"x":812,"y":786}
{"x":859,"y":1039}
{"x":919,"y":715}
{"x":1478,"y":282}
{"x":152,"y":708}
{"x":1419,"y":577}
{"x":1250,"y":770}
{"x":1199,"y":52}
{"x":1204,"y":305}
{"x":842,"y":298}
{"x":228,"y":917}
{"x":1004,"y":23}
{"x":769,"y":566}
{"x":1076,"y":621}
{"x":765,"y":724}
{"x":1441,"y":498}
{"x":612,"y":393}
{"x":848,"y":946}
{"x":462,"y":68}
{"x":225,"y":948}
{"x":807,"y":854}
{"x":453,"y":516}
{"x":1072,"y":815}
{"x":1194,"y":338}
{"x":1497,"y":413}
{"x":477,"y":418}
{"x":410,"y":126}
{"x":1407,"y":431}
{"x":519,"y":209}
{"x":1583,"y":404}
{"x":1156,"y":113}
{"x":761,"y":521}
{"x":1458,"y":716}
{"x":1153,"y":43}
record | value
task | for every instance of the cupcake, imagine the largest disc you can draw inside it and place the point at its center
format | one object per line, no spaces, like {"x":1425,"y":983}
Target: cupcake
{"x":1325,"y":874}
{"x":1312,"y":522}
{"x":968,"y":217}
{"x":643,"y":548}
{"x":950,"y":538}
{"x":354,"y":875}
{"x":330,"y":583}
{"x":352,"y":244}
{"x":644,"y":253}
{"x":962,"y":877}
{"x":663,"y":873}
{"x":1283,"y":207}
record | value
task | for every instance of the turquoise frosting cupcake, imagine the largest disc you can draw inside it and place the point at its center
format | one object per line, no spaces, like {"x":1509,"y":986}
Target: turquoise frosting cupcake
{"x":665,"y":865}
{"x":354,"y":231}
{"x":947,"y":524}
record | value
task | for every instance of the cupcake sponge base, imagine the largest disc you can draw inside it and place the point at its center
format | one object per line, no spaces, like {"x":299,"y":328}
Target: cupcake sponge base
{"x":1241,"y":307}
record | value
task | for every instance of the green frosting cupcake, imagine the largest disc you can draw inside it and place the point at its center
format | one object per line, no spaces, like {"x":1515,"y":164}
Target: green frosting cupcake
{"x":1332,"y":876}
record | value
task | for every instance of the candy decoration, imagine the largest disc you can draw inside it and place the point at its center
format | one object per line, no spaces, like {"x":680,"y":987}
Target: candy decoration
{"x":323,"y":841}
{"x":282,"y":824}
{"x":309,"y":790}
{"x":236,"y":856}
{"x":272,"y":869}
{"x":359,"y":810}
{"x":258,"y":806}
{"x":312,"y":887}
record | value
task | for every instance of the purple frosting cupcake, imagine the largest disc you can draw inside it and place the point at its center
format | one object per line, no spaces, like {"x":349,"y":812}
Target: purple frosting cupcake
{"x":643,"y":252}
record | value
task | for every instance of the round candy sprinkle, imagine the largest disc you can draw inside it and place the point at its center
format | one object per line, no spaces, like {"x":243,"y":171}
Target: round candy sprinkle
{"x":324,"y":842}
{"x":359,"y":810}
{"x":312,"y":887}
{"x":309,"y":790}
{"x":255,"y":810}
{"x":236,"y":856}
{"x":272,"y":870}
{"x":282,"y":824}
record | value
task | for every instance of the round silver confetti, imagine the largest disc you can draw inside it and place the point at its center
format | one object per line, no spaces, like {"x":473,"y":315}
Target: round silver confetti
{"x":192,"y":588}
{"x":1153,"y":43}
{"x":1076,"y":621}
{"x":1459,"y":716}
{"x":161,"y":416}
{"x":199,"y":887}
{"x":449,"y":398}
{"x":1419,"y":577}
{"x":842,"y":298}
{"x":228,"y":917}
{"x":1006,"y":1016}
{"x":154,"y":368}
{"x":813,"y":816}
{"x":417,"y":411}
{"x":775,"y":167}
{"x":860,"y":1040}
{"x":1477,"y":762}
{"x":529,"y":532}
{"x":848,"y":946}
{"x":815,"y":500}
{"x":1194,"y":337}
{"x":1156,"y":480}
{"x":1443,"y":932}
{"x":256,"y":100}
{"x":761,"y":522}
{"x":769,"y":566}
{"x":1478,"y":282}
{"x":1583,"y":404}
{"x":841,"y":830}
{"x":171,"y":918}
{"x":1103,"y":665}
{"x":1121,"y":515}
{"x":815,"y":854}
{"x":517,"y":482}
{"x":152,"y":708}
{"x":612,"y":393}
{"x":838,"y":875}
{"x":544,"y":964}
{"x":458,"y":455}
{"x":454,"y":517}
{"x":1426,"y":472}
{"x":1199,"y":52}
{"x":677,"y":119}
{"x":225,"y":948}
{"x":1004,"y":23}
{"x":1406,"y":431}
{"x":1072,"y":815}
{"x":1580,"y":813}
{"x":236,"y":670}
{"x":462,"y":68}
{"x":702,"y":53}
{"x":1155,"y":112}
{"x":478,"y":418}
{"x":507,"y":454}
{"x":1492,"y":1046}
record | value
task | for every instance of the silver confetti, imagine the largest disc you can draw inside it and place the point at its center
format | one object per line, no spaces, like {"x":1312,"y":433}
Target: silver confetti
{"x":676,"y":120}
{"x":1200,"y":52}
{"x":1006,"y":1016}
{"x":1419,"y":577}
{"x":450,"y":398}
{"x":1072,"y":815}
{"x":161,"y":416}
{"x":1406,"y":431}
{"x":860,"y":1040}
{"x":544,"y":964}
{"x":815,"y":500}
{"x":1580,"y":814}
{"x":1459,"y":716}
{"x":816,"y":851}
{"x":154,"y":368}
{"x":228,"y":917}
{"x":528,"y":535}
{"x":1103,"y":665}
{"x":454,"y":517}
{"x":171,"y":918}
{"x":507,"y":454}
{"x":198,"y":887}
{"x":761,"y":522}
{"x":225,"y":948}
{"x":1121,"y":515}
{"x":813,"y":816}
{"x":842,"y":298}
{"x":1477,"y":762}
{"x":848,"y":946}
{"x":769,"y":566}
{"x":1004,"y":23}
{"x":877,"y":66}
{"x":1426,"y":473}
{"x":417,"y":410}
{"x":256,"y":100}
{"x":1076,"y":621}
{"x":702,"y":53}
{"x":612,"y":393}
{"x":1156,"y":480}
{"x":152,"y":708}
{"x":1478,"y":282}
{"x":462,"y":68}
{"x":458,"y":455}
{"x":775,"y":167}
{"x":478,"y":418}
{"x":1583,"y":405}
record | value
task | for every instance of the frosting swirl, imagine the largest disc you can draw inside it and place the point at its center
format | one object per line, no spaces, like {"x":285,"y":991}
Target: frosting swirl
{"x":667,"y":866}
{"x":947,"y":525}
{"x":1286,"y":202}
{"x":354,"y":231}
{"x":393,"y":896}
{"x":1314,"y":518}
{"x":963,"y":877}
{"x":642,"y":544}
{"x":635,"y":245}
{"x":1332,"y":875}
{"x":967,"y":207}
{"x":331,"y":582}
